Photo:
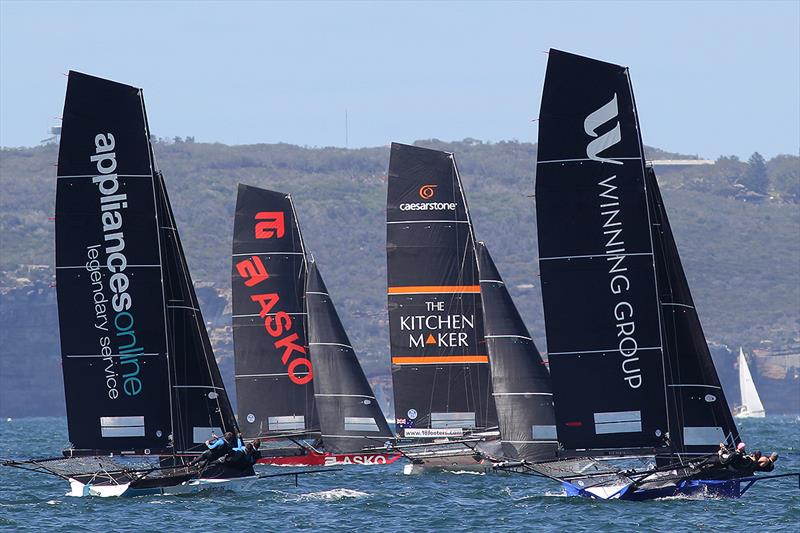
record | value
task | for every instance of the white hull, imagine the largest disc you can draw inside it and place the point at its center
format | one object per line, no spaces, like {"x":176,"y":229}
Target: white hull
{"x":79,"y":489}
{"x":747,"y":414}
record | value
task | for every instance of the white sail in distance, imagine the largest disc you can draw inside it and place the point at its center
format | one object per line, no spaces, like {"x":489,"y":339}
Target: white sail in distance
{"x":751,"y":403}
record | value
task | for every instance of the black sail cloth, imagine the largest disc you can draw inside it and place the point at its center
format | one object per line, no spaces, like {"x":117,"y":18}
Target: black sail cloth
{"x":274,"y":374}
{"x":629,"y":363}
{"x":139,"y":375}
{"x":439,"y":363}
{"x":520,"y":380}
{"x":596,"y":260}
{"x":350,"y":417}
{"x":699,"y":413}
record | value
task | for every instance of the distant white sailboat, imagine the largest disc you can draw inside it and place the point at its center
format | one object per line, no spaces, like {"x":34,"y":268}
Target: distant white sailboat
{"x":751,"y":403}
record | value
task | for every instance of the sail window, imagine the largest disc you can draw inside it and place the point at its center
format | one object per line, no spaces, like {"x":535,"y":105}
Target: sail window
{"x":618,"y":422}
{"x":543,"y":433}
{"x":286,"y":423}
{"x":453,"y":420}
{"x":202,"y":434}
{"x":122,"y":426}
{"x":699,"y":436}
{"x":360,"y":423}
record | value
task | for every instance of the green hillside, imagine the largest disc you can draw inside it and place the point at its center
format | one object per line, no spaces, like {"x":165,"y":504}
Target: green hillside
{"x":737,"y":225}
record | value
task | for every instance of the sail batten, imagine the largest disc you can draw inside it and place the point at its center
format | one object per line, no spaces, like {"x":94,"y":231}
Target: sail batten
{"x":438,"y":353}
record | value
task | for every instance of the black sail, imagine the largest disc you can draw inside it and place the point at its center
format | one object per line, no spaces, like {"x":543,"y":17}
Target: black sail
{"x":699,"y":415}
{"x":349,"y":416}
{"x":439,"y":364}
{"x":520,"y":380}
{"x":200,"y":402}
{"x":274,"y":386}
{"x":108,"y":272}
{"x":601,"y":304}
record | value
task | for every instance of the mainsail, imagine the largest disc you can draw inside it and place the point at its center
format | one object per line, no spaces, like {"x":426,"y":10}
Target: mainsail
{"x":139,"y":374}
{"x":630,"y":368}
{"x":520,"y":379}
{"x":350,"y":417}
{"x":751,"y":402}
{"x":439,"y":363}
{"x":273,"y":371}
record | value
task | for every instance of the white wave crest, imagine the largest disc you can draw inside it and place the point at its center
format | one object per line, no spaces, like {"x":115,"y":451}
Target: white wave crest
{"x":335,"y":494}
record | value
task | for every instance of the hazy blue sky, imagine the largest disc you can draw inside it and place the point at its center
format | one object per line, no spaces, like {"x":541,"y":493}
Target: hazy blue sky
{"x":710,"y":78}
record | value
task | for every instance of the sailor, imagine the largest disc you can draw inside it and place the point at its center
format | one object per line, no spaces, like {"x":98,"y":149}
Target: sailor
{"x":253,"y":452}
{"x":217,"y":447}
{"x":766,"y":464}
{"x":244,"y":458}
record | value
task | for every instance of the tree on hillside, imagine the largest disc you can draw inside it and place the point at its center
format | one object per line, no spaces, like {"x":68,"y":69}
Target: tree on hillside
{"x":755,"y":177}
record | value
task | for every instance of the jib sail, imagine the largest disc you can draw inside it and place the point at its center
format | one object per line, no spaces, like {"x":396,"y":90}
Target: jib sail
{"x":439,"y":364}
{"x":601,"y":305}
{"x":135,"y":353}
{"x":699,"y":415}
{"x":520,"y":379}
{"x":274,"y":386}
{"x":350,"y":417}
{"x":200,"y":402}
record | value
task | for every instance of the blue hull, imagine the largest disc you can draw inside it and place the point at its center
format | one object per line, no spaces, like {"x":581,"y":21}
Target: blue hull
{"x":707,"y":488}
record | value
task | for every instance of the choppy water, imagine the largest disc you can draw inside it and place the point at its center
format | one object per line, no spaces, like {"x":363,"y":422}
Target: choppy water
{"x":370,"y":499}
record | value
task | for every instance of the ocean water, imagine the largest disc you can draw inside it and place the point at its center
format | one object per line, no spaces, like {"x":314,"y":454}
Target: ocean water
{"x":378,"y":499}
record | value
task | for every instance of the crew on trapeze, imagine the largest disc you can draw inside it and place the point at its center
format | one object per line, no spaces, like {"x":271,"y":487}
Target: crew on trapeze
{"x":228,"y":450}
{"x":217,"y":447}
{"x":738,"y":461}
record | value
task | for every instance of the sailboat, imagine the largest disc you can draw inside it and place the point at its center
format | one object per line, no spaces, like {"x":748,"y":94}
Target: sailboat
{"x":751,"y":403}
{"x":444,"y":406}
{"x":277,"y":384}
{"x":140,"y":376}
{"x":631,"y":372}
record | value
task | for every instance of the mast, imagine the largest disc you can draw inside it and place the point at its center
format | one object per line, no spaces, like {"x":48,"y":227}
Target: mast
{"x":108,"y":271}
{"x":349,"y":414}
{"x":274,"y":379}
{"x":439,"y":363}
{"x":520,"y":379}
{"x":602,"y":312}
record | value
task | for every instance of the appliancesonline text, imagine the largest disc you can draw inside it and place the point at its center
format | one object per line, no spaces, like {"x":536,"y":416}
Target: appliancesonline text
{"x":116,"y":323}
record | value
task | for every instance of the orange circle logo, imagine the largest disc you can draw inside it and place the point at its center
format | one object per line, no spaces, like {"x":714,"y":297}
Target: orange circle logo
{"x":426,"y":191}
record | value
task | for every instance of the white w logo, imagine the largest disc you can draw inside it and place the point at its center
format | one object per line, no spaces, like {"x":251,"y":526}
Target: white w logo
{"x":608,"y":139}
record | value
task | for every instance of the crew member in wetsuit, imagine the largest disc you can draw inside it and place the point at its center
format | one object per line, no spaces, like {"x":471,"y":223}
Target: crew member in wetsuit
{"x":244,"y":458}
{"x":217,"y":447}
{"x":766,"y":464}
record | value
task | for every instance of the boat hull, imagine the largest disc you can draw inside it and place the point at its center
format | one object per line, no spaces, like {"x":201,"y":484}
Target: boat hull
{"x":690,"y":488}
{"x":78,"y":489}
{"x":332,"y":459}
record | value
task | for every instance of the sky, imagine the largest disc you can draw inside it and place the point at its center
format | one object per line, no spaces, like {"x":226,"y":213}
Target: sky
{"x":710,"y":78}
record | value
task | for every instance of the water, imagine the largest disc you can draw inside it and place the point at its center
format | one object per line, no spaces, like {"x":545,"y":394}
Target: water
{"x":363,"y":498}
